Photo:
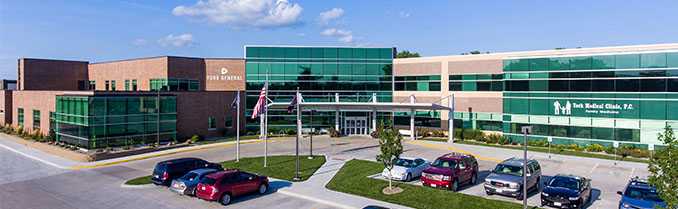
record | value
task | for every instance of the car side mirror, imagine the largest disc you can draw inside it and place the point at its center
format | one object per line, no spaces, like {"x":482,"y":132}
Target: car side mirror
{"x":528,"y":175}
{"x":619,"y":192}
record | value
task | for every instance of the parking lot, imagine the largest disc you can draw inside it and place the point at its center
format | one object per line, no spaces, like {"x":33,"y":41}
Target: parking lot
{"x":101,"y":187}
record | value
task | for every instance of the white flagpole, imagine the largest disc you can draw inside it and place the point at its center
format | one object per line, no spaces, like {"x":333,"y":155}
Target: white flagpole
{"x":298,"y":98}
{"x":237,"y":132}
{"x":266,"y":122}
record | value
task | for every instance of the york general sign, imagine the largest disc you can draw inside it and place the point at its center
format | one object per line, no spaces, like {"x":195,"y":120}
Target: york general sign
{"x":224,"y":76}
{"x":592,"y":108}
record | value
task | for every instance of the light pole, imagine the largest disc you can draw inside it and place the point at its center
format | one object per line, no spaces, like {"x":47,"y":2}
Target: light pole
{"x":157,"y":108}
{"x":526,"y":130}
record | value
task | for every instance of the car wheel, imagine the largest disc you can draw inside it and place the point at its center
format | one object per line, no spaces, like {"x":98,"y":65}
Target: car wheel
{"x":262,"y":188}
{"x":519,"y":195}
{"x":589,"y":200}
{"x":455,"y":185}
{"x":474,"y":178}
{"x":193,"y":191}
{"x":537,"y":185}
{"x":488,"y":193}
{"x":408,"y":178}
{"x":225,"y":199}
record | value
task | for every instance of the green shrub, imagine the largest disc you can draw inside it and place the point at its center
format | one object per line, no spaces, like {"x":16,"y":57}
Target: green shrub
{"x":27,"y":138}
{"x":99,"y":151}
{"x":132,"y":146}
{"x":125,"y":148}
{"x":108,"y":149}
{"x":609,"y":150}
{"x":332,"y":132}
{"x":479,"y":136}
{"x":594,"y":148}
{"x":73,"y":148}
{"x":197,"y":138}
{"x":538,"y":143}
{"x":291,"y":131}
{"x":493,"y":138}
{"x":580,"y":148}
{"x":459,"y":133}
{"x":273,"y":129}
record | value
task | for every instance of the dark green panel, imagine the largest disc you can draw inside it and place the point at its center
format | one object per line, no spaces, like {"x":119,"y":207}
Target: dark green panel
{"x":277,"y":52}
{"x":653,"y":110}
{"x":251,"y":52}
{"x":344,"y":53}
{"x":291,"y":52}
{"x":630,"y":109}
{"x":672,"y":106}
{"x":304,"y":53}
{"x":539,"y":107}
{"x":330,"y":53}
{"x":520,"y":106}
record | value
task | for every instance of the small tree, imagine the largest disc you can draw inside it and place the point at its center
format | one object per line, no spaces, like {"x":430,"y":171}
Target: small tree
{"x":390,"y":142}
{"x":663,"y":168}
{"x":406,"y":54}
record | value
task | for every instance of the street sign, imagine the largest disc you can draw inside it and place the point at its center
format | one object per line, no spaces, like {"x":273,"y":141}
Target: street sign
{"x":616,"y":144}
{"x":650,"y":147}
{"x":550,"y":139}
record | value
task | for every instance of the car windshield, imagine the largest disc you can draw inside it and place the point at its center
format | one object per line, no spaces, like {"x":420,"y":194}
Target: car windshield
{"x":208,"y":181}
{"x":404,"y":163}
{"x":441,"y":163}
{"x":508,"y":169}
{"x":189,"y":176}
{"x":161,"y":168}
{"x":568,"y":183}
{"x":642,"y":194}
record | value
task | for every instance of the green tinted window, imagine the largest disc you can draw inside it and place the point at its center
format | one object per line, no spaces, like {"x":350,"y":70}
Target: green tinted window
{"x":344,"y":53}
{"x":212,"y":123}
{"x":603,"y":62}
{"x":291,"y":52}
{"x":277,"y":52}
{"x":228,"y":122}
{"x":672,"y":59}
{"x":304,"y":53}
{"x":580,"y":63}
{"x":251,"y":52}
{"x":372,"y":53}
{"x":656,"y":60}
{"x":539,"y":64}
{"x":627,"y":61}
{"x":330,"y":53}
{"x":386,"y":53}
{"x":265,"y":52}
{"x":519,"y":65}
{"x":330,"y":69}
{"x":559,"y":63}
{"x":359,"y":53}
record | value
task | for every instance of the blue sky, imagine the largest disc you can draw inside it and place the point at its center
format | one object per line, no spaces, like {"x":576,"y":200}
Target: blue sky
{"x":106,"y":30}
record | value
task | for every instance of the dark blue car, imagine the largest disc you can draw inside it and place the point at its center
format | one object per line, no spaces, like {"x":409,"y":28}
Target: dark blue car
{"x":639,"y":195}
{"x":566,"y":191}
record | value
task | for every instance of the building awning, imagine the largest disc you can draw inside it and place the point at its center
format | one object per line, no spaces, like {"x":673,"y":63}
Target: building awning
{"x":366,"y":106}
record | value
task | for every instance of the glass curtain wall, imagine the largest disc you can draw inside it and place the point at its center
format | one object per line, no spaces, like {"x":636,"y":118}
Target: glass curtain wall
{"x":319,"y":73}
{"x":98,"y":122}
{"x":592,"y":99}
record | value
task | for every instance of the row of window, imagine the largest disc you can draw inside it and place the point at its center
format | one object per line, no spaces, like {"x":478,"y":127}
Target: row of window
{"x":468,"y":77}
{"x":595,"y":74}
{"x":36,"y":118}
{"x":417,"y":86}
{"x":617,"y":134}
{"x":619,"y":108}
{"x":311,"y":78}
{"x":212,"y":123}
{"x":416,"y":78}
{"x":616,"y":85}
{"x":622,"y":61}
{"x":175,"y":84}
{"x":323,"y":86}
{"x":477,"y":86}
{"x":318,"y":69}
{"x":253,"y":96}
{"x":317,"y":52}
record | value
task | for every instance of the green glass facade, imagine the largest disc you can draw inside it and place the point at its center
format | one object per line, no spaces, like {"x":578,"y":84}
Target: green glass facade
{"x":417,"y":83}
{"x":319,"y":73}
{"x":477,"y":82}
{"x":592,"y":99}
{"x":173,"y":84}
{"x":99,"y":121}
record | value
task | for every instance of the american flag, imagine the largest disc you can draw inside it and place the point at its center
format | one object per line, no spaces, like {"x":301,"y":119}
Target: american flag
{"x":259,"y":107}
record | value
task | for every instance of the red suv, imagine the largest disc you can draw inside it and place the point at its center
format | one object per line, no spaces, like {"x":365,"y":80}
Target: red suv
{"x":451,"y":170}
{"x":223,"y":185}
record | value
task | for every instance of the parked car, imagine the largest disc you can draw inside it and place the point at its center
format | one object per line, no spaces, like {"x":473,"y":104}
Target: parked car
{"x":566,"y":191}
{"x":638,"y":194}
{"x":507,"y":178}
{"x":406,"y":168}
{"x":451,"y":170}
{"x":222,"y":186}
{"x":166,"y":171}
{"x":186,"y":184}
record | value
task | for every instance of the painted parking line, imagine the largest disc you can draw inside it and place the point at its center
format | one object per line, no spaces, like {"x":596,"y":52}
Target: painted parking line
{"x":455,"y":149}
{"x":594,"y":168}
{"x":632,"y":170}
{"x":176,"y":152}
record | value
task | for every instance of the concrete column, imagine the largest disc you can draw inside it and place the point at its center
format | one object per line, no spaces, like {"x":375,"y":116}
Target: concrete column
{"x":412,"y":133}
{"x":450,"y":119}
{"x":374,"y":113}
{"x":336,"y":119}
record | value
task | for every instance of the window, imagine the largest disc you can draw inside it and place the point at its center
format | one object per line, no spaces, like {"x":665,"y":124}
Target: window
{"x":36,"y":119}
{"x":228,"y":122}
{"x":107,"y":82}
{"x":92,"y":85}
{"x":127,"y":85}
{"x":134,"y":85}
{"x":113,"y":85}
{"x":81,"y":85}
{"x":20,"y":116}
{"x":212,"y":123}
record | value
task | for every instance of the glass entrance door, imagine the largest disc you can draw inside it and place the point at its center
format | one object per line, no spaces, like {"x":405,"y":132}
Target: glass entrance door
{"x":355,"y":126}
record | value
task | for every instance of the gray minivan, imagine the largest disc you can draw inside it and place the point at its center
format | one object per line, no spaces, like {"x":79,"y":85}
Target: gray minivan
{"x":507,"y":178}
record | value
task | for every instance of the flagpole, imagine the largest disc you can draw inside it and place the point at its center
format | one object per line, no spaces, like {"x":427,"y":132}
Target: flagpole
{"x":297,"y":97}
{"x":266,"y":122}
{"x":237,"y":132}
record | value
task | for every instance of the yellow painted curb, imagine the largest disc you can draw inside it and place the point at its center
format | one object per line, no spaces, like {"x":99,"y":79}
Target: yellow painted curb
{"x":176,"y":152}
{"x":458,"y":150}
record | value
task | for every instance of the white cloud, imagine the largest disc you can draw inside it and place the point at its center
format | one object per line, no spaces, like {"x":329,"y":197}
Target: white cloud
{"x":140,"y":42}
{"x":300,"y":35}
{"x":345,"y":36}
{"x":238,"y":14}
{"x":325,"y":17}
{"x":184,"y":40}
{"x":404,"y":14}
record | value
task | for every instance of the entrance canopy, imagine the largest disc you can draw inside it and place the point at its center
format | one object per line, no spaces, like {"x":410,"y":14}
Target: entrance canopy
{"x":374,"y":107}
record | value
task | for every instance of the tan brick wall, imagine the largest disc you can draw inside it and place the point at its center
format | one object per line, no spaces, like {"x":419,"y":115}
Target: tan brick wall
{"x":225,"y":74}
{"x":141,"y":69}
{"x":41,"y":74}
{"x":194,"y":109}
{"x":475,"y":66}
{"x":45,"y":101}
{"x":424,"y":68}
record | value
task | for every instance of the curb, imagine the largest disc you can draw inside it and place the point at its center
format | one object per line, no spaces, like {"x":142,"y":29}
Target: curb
{"x":330,"y":203}
{"x":142,"y":186}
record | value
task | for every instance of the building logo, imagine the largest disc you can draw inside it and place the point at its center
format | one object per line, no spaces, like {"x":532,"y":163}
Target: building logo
{"x":224,"y":70}
{"x":564,"y":109}
{"x":224,"y":77}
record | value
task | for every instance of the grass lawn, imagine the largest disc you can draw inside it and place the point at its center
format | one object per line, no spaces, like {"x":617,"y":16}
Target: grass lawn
{"x":435,"y":139}
{"x":352,"y":179}
{"x":229,"y":139}
{"x":279,"y":167}
{"x":139,"y":181}
{"x":556,"y":151}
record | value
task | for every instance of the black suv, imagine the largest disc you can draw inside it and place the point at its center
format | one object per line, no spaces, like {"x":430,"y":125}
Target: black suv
{"x":566,"y":191}
{"x":166,"y":171}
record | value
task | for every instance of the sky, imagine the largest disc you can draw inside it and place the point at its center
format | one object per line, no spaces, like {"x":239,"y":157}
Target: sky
{"x":108,"y":30}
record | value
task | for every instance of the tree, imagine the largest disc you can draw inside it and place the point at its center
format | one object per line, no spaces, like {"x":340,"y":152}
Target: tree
{"x":406,"y":54}
{"x":390,"y":142}
{"x":663,"y":168}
